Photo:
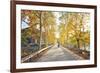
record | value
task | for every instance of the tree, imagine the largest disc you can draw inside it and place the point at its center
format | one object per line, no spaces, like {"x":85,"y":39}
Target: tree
{"x":48,"y":26}
{"x":41,"y":28}
{"x":73,"y":27}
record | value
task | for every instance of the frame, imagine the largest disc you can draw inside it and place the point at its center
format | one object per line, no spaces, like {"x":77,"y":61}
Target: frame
{"x":75,"y":33}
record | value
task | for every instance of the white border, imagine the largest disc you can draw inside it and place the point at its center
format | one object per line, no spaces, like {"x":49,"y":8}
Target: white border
{"x":20,"y":65}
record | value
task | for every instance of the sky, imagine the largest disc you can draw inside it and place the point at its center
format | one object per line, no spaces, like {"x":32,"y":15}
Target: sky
{"x":24,"y":23}
{"x":57,"y":34}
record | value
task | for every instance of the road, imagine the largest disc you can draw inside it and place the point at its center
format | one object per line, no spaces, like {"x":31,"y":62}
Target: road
{"x":57,"y":54}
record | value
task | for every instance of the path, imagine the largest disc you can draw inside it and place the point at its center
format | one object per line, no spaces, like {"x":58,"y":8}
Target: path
{"x":57,"y":54}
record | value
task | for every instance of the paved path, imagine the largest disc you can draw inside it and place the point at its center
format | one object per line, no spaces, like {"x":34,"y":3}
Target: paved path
{"x":57,"y":54}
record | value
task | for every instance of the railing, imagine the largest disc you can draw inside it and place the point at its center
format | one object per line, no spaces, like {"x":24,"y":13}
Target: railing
{"x":34,"y":54}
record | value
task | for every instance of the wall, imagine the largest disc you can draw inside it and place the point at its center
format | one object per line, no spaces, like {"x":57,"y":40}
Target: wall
{"x":5,"y":36}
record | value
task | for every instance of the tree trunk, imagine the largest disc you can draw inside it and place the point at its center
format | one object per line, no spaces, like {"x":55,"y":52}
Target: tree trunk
{"x":84,"y":46}
{"x":78,"y":44}
{"x":40,"y":30}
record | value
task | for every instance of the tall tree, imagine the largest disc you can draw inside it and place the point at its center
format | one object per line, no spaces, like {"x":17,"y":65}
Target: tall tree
{"x":74,"y":27}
